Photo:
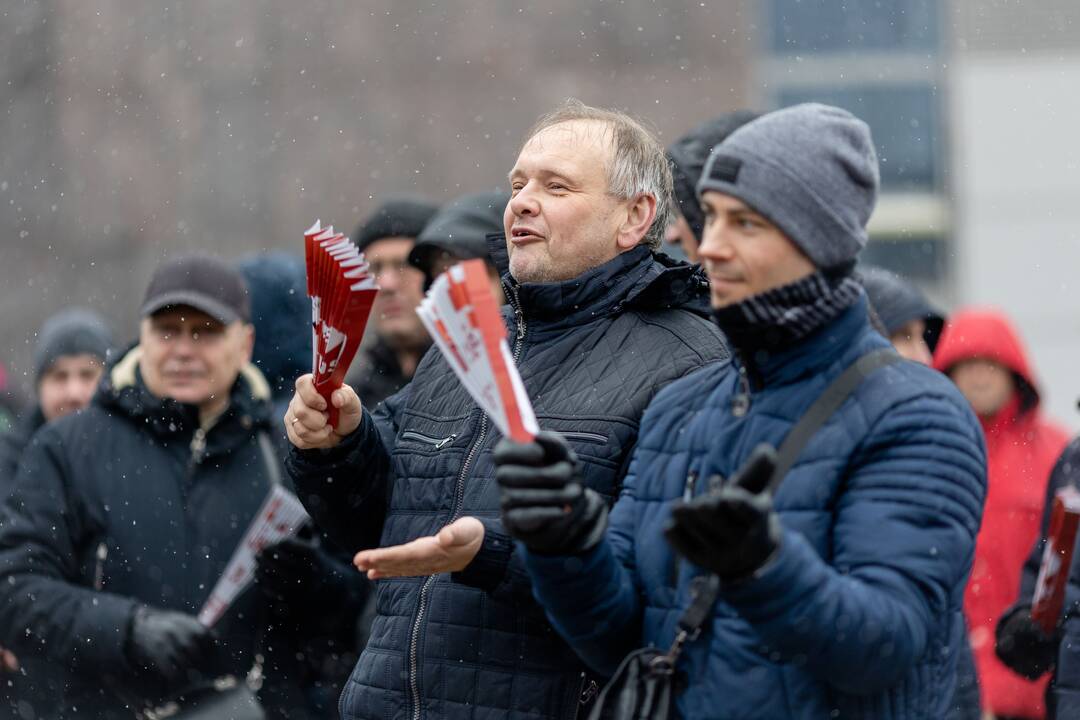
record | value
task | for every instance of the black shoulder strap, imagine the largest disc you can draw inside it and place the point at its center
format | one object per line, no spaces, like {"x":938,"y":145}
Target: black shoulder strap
{"x":823,"y":408}
{"x":707,"y":587}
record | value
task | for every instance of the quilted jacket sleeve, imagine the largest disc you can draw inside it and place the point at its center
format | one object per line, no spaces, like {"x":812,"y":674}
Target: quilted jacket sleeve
{"x":593,"y":600}
{"x":346,"y":489}
{"x":903,"y":540}
{"x":45,"y":599}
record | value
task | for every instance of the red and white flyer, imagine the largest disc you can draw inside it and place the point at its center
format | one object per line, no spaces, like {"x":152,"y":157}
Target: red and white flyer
{"x":1049,"y":597}
{"x":460,"y":313}
{"x":281,"y":516}
{"x":342,"y":292}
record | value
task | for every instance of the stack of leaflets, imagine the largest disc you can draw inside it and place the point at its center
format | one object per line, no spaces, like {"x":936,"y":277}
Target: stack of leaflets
{"x":1049,"y":598}
{"x":460,"y":313}
{"x":280,"y":517}
{"x":342,"y":292}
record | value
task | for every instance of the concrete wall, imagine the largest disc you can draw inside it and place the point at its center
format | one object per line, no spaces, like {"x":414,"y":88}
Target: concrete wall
{"x":1016,"y":177}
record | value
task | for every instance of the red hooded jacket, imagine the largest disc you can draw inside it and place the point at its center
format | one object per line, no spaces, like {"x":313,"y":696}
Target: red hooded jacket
{"x":1022,"y":446}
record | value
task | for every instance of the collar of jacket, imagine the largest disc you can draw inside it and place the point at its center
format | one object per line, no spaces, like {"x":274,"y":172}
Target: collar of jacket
{"x":122,"y":390}
{"x":637,"y":278}
{"x":813,"y":354}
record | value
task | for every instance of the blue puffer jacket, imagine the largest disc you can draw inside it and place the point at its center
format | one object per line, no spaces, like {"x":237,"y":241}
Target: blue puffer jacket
{"x":858,"y":613}
{"x":592,"y":352}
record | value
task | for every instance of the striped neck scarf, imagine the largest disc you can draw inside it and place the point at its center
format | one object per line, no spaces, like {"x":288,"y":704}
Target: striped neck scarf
{"x":776,"y":318}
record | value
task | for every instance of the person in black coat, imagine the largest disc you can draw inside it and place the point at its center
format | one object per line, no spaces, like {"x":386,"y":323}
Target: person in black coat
{"x":124,"y":516}
{"x":69,"y":357}
{"x":386,"y":238}
{"x":910,"y":322}
{"x":598,"y":323}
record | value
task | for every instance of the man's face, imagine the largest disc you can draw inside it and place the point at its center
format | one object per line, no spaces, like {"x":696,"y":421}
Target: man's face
{"x":68,"y":384}
{"x":987,"y":385}
{"x":561,"y":220}
{"x":911,"y":344}
{"x":401,"y":288}
{"x":743,"y":253}
{"x":191,"y":357}
{"x":679,"y":233}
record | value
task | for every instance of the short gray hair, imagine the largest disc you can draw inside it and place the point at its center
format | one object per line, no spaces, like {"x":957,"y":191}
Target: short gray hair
{"x":638,"y":166}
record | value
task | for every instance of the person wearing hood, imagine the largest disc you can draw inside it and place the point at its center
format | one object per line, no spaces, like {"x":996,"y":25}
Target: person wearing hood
{"x":69,"y":358}
{"x":598,"y":323}
{"x":838,"y":592}
{"x":459,"y":232}
{"x":912,"y":324}
{"x":124,"y":516}
{"x":983,"y":354}
{"x":688,"y":156}
{"x":386,"y":238}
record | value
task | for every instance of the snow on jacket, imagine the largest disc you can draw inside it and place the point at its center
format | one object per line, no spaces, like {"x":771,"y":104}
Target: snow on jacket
{"x":592,"y":353}
{"x":858,"y":615}
{"x":1022,"y":446}
{"x":130,"y":495}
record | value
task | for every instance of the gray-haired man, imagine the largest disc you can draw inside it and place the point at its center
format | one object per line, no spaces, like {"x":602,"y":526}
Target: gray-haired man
{"x":598,"y":324}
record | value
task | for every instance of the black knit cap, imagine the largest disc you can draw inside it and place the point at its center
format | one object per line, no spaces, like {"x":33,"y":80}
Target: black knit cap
{"x":688,"y":155}
{"x":202,"y":282}
{"x":400,"y":217}
{"x":74,"y":331}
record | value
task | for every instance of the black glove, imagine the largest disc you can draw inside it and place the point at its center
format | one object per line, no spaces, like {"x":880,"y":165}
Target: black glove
{"x":291,"y":573}
{"x":1023,"y":645}
{"x":732,"y":530}
{"x":167,"y":643}
{"x":544,"y":502}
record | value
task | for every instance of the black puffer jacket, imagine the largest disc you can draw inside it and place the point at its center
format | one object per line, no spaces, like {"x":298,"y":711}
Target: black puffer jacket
{"x":131,"y":496}
{"x":592,"y":352}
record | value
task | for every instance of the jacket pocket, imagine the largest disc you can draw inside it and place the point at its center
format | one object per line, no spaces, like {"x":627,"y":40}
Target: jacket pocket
{"x":436,"y":443}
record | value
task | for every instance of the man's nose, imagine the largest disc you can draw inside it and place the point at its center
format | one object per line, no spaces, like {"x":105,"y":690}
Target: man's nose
{"x":715,"y":244}
{"x":388,"y":279}
{"x":525,"y":202}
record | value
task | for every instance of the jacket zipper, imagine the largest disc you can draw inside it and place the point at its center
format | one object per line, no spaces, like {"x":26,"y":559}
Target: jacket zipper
{"x":435,"y":442}
{"x":740,"y":404}
{"x":586,"y":436}
{"x":459,"y":495}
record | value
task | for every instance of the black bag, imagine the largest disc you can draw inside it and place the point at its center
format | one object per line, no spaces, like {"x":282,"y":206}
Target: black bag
{"x":644,"y":685}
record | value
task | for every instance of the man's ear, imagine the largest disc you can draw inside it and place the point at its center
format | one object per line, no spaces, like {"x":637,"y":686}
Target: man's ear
{"x":640,"y":213}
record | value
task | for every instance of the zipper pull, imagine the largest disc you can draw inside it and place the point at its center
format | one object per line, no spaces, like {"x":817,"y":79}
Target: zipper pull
{"x":740,"y":404}
{"x":198,"y":445}
{"x":687,"y":496}
{"x":589,"y":692}
{"x":99,"y":566}
{"x":444,"y":442}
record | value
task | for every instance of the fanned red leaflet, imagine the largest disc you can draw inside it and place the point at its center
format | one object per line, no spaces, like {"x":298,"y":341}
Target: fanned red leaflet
{"x":1049,"y":598}
{"x":460,"y":313}
{"x":342,"y":292}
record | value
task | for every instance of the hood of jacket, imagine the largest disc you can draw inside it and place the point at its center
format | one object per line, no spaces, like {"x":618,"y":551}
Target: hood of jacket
{"x":986,"y":333}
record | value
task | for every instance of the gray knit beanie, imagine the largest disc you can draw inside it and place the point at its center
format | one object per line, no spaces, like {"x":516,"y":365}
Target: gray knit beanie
{"x":75,"y":331}
{"x":810,"y":169}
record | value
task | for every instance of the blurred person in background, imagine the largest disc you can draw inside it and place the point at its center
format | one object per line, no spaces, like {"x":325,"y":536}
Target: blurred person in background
{"x":386,"y":238}
{"x":124,"y":516}
{"x":304,"y":572}
{"x":983,"y":354}
{"x":688,"y":156}
{"x":840,"y":594}
{"x":69,"y":358}
{"x":598,"y":322}
{"x":461,"y":231}
{"x":913,"y":326}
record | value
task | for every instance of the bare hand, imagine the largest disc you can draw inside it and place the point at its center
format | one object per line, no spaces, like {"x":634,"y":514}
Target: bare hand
{"x":306,"y":418}
{"x":8,"y":661}
{"x":451,"y":550}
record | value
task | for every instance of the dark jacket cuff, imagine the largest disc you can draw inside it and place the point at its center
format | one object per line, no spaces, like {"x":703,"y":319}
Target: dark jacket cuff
{"x":488,"y":569}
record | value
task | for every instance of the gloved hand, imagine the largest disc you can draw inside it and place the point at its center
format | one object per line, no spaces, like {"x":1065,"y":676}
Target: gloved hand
{"x":1023,"y":645}
{"x":167,"y":643}
{"x":544,"y":502}
{"x":290,"y":573}
{"x":732,"y":530}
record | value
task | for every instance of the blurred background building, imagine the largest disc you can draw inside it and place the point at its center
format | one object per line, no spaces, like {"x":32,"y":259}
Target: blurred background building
{"x":129,"y":132}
